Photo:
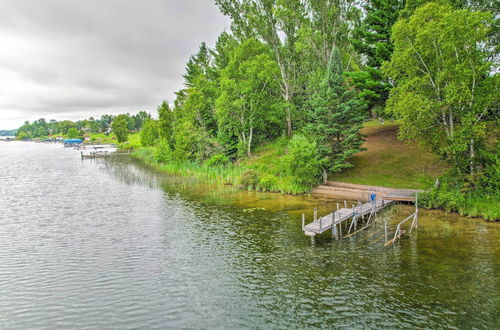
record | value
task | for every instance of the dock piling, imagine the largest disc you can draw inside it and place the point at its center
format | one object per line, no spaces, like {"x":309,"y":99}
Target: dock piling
{"x":315,"y":214}
{"x":303,"y":221}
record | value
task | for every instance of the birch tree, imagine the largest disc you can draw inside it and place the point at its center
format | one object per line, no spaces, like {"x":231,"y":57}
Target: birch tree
{"x":249,"y":102}
{"x":445,"y":86}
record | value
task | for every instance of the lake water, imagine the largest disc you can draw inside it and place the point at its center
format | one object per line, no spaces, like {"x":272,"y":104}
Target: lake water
{"x":110,"y":243}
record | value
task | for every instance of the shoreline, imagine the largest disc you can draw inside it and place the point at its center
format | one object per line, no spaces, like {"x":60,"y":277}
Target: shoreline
{"x":225,"y":177}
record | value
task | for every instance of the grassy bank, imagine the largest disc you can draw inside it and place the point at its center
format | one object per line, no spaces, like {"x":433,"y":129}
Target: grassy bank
{"x":386,"y":162}
{"x":474,"y":205}
{"x":262,"y":172}
{"x":389,"y":162}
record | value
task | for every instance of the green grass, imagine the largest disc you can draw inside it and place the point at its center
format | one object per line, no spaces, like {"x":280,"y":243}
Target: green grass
{"x":266,"y":162}
{"x":484,"y":206}
{"x":389,"y":162}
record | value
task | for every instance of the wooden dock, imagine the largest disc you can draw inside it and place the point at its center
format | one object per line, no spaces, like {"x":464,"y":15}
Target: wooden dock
{"x":333,"y":189}
{"x":330,"y":221}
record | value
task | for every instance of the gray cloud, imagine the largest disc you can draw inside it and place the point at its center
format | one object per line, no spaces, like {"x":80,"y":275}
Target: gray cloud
{"x":70,"y":59}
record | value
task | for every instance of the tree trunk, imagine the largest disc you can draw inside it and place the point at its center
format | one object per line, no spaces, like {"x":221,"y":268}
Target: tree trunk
{"x":472,"y":155}
{"x":249,"y":150}
{"x":288,"y":122}
{"x":285,"y":89}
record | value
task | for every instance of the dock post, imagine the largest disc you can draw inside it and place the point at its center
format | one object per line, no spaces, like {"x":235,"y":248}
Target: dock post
{"x":334,"y":227}
{"x":416,"y":210}
{"x":337,"y":206}
{"x":340,"y":230}
{"x":320,"y":223}
{"x":81,"y":154}
{"x":345,"y":204}
{"x":315,"y":214}
{"x":303,"y":221}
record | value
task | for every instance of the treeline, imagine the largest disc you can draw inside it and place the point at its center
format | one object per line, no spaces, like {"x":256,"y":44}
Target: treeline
{"x":42,"y":128}
{"x":8,"y":132}
{"x":313,"y":71}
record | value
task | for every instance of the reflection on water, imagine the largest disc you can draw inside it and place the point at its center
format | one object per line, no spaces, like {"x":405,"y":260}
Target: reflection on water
{"x":111,"y":243}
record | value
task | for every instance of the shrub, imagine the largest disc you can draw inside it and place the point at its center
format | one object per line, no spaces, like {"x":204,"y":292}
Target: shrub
{"x":249,"y":179}
{"x":302,"y":162}
{"x":73,"y":133}
{"x":150,"y":133}
{"x":217,"y":160}
{"x":268,"y":182}
{"x":163,"y":152}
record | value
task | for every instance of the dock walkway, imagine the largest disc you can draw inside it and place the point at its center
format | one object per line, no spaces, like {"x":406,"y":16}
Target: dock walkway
{"x":333,"y":189}
{"x":330,"y":221}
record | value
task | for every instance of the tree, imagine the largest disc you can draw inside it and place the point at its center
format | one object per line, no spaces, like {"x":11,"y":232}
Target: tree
{"x":336,"y":118}
{"x":150,"y":133}
{"x":301,"y":35}
{"x":277,"y":23}
{"x":73,"y":133}
{"x":201,"y":91}
{"x":445,"y":86}
{"x":165,"y":123}
{"x":140,"y":118}
{"x":248,"y":103}
{"x":120,"y":128}
{"x":372,"y":39}
{"x":65,"y":125}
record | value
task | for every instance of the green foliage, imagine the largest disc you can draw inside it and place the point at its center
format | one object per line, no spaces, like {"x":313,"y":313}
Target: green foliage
{"x":120,"y":128}
{"x":73,"y":133}
{"x":249,"y":179}
{"x":163,"y":154}
{"x":165,"y":123}
{"x":450,"y":197}
{"x":446,"y":88}
{"x":217,"y":160}
{"x":150,"y":133}
{"x":23,"y":136}
{"x":269,"y":182}
{"x":249,"y":107}
{"x":302,"y":162}
{"x":372,"y":39}
{"x":336,"y":118}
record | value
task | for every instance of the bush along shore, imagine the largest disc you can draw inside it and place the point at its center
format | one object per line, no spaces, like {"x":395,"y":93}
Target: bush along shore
{"x":268,"y":172}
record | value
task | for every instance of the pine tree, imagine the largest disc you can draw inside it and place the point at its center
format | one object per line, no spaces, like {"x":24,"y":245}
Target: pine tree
{"x":165,"y":123}
{"x":372,"y":39}
{"x":337,"y":116}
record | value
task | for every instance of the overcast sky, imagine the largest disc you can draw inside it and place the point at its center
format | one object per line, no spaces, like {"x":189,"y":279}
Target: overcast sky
{"x":72,"y":59}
